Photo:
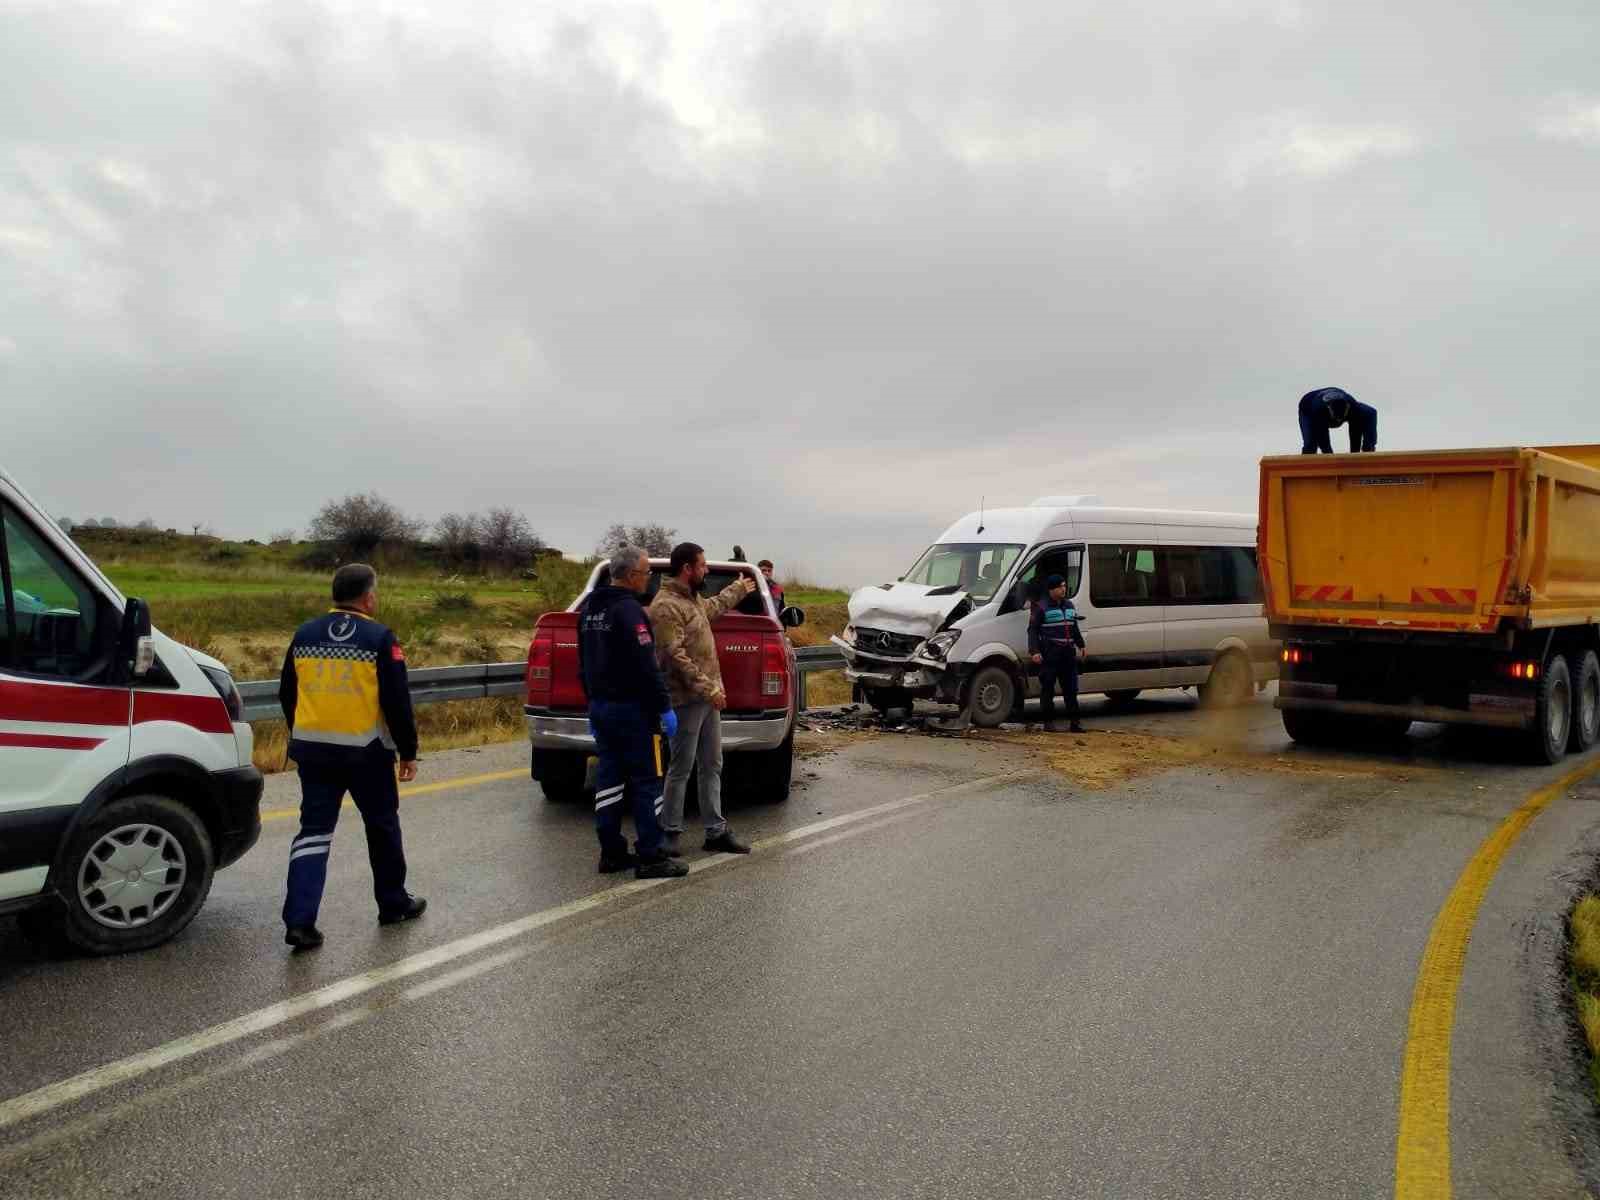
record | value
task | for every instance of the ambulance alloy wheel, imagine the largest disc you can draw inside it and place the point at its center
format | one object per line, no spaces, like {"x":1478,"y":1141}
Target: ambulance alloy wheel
{"x":134,"y":875}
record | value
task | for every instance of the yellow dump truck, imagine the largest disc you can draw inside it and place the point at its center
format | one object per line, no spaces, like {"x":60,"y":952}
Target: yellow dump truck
{"x":1457,"y":586}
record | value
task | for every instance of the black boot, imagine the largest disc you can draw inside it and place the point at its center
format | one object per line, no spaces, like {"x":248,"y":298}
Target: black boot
{"x":610,"y":864}
{"x":661,"y":868}
{"x":303,"y":937}
{"x":414,"y":907}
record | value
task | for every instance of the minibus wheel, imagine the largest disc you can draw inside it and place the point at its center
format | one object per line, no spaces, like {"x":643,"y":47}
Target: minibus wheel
{"x":134,"y":875}
{"x":991,"y":696}
{"x":1230,"y":683}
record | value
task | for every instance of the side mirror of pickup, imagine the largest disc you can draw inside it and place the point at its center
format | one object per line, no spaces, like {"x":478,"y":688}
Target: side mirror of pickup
{"x":135,"y":645}
{"x":791,"y":616}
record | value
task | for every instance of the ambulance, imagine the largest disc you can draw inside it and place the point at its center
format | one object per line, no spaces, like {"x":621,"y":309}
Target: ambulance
{"x":125,"y":773}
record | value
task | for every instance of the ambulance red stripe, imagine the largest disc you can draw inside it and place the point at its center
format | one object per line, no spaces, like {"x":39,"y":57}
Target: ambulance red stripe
{"x":60,"y":704}
{"x":48,"y":741}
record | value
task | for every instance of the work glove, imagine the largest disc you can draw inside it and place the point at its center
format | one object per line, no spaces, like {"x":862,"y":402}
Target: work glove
{"x":669,"y":723}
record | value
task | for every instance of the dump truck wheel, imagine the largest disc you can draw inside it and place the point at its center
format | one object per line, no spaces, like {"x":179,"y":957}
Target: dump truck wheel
{"x":991,"y":696}
{"x":1309,"y":728}
{"x":1586,"y":705}
{"x":1552,"y":725}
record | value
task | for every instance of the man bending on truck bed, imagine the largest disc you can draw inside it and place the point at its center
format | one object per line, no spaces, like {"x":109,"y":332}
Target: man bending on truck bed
{"x":1328,"y":408}
{"x":628,"y":704}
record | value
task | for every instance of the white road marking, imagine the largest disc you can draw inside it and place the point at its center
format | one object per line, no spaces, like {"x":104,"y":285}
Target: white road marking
{"x":66,"y":1091}
{"x":808,"y":847}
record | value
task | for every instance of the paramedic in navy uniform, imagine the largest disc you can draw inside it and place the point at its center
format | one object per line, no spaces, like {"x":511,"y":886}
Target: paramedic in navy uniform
{"x":628,"y":707}
{"x":345,"y":696}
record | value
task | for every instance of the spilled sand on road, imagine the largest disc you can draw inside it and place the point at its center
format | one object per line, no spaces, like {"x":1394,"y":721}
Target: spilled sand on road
{"x":1107,"y":758}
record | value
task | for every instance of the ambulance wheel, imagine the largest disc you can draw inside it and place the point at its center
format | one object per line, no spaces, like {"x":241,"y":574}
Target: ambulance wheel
{"x":991,"y":696}
{"x":1552,"y":724}
{"x":562,"y":774}
{"x":134,"y":875}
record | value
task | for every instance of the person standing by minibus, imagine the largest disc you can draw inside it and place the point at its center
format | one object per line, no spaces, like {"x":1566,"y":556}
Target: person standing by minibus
{"x":1056,"y":644}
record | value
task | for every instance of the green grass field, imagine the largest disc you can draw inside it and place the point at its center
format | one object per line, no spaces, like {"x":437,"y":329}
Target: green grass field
{"x":241,"y":601}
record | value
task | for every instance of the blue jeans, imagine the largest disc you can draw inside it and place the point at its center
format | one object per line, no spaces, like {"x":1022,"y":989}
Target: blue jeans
{"x":628,"y":776}
{"x":369,"y":778}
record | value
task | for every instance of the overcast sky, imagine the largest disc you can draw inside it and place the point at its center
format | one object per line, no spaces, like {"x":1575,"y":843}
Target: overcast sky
{"x":809,"y":277}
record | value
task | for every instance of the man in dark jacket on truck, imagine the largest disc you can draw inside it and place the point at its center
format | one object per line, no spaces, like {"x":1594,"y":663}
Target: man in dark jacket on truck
{"x":1326,"y":409}
{"x":628,"y":708}
{"x":1055,"y":643}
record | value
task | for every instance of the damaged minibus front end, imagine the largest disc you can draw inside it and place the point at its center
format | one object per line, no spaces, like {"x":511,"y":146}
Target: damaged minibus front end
{"x":898,"y":641}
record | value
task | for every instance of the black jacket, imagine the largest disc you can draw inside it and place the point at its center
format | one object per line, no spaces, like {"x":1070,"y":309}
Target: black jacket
{"x":1052,"y":627}
{"x":617,"y":651}
{"x":1316,"y":422}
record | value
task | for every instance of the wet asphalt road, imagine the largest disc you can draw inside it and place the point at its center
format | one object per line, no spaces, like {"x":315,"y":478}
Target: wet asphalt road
{"x":1192,"y":983}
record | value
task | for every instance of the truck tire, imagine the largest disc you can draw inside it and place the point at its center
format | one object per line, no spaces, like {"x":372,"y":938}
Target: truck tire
{"x":1552,"y":722}
{"x":1310,"y":728}
{"x":133,"y":875}
{"x":1586,"y":704}
{"x":1230,"y":684}
{"x":991,"y":696}
{"x":562,"y":774}
{"x":1123,"y":697}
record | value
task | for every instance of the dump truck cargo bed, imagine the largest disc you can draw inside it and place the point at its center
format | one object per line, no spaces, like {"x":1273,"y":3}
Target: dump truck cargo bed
{"x":1456,"y":586}
{"x":1466,"y":541}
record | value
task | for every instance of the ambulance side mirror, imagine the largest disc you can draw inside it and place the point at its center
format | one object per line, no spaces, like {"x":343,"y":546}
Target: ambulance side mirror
{"x":135,"y":645}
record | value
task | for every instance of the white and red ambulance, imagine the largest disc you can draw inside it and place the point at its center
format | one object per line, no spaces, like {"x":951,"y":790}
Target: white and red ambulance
{"x":125,"y":776}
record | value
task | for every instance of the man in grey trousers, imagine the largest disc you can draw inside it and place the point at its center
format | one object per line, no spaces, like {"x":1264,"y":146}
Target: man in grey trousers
{"x":687,"y":651}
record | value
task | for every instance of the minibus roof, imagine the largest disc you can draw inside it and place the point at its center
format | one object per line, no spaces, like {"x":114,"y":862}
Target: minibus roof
{"x":1027,"y":525}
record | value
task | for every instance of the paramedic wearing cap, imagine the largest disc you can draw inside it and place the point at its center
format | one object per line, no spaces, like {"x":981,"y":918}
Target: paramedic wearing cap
{"x":628,"y":707}
{"x":1056,"y":643}
{"x":1326,"y":409}
{"x":345,"y":696}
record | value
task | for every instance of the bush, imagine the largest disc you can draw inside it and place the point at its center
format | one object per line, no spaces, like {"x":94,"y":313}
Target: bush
{"x":358,"y":525}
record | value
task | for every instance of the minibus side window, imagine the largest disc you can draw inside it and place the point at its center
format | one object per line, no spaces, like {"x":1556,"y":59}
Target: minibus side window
{"x":52,"y":615}
{"x":1123,"y":576}
{"x":1246,"y":575}
{"x":1066,"y":561}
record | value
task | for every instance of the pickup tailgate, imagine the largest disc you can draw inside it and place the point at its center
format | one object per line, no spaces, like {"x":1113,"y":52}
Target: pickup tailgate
{"x":1426,"y":540}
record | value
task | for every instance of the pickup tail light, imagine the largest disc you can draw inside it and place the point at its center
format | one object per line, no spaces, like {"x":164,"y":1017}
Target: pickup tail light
{"x":541,"y":660}
{"x":774,"y":669}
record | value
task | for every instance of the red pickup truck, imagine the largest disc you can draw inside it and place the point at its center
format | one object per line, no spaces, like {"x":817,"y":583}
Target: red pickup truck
{"x":759,"y":674}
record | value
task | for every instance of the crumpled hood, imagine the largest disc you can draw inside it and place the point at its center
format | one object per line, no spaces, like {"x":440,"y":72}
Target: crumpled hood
{"x":909,"y":608}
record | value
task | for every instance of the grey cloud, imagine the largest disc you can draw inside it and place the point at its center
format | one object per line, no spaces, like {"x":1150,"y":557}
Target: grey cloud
{"x":250,"y":261}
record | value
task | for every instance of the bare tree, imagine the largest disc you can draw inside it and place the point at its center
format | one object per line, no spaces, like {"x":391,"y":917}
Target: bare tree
{"x":508,"y":538}
{"x":459,"y":536}
{"x":147,"y":525}
{"x":358,"y":524}
{"x":656,"y":540}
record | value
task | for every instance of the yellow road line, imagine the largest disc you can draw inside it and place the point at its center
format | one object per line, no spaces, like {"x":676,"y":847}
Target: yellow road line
{"x":1422,"y":1146}
{"x":421,"y":789}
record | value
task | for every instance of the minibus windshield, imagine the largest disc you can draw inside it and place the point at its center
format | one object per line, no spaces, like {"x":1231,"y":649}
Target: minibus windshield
{"x":977,"y":568}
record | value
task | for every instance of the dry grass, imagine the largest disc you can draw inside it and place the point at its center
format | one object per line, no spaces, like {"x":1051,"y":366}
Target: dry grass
{"x":1583,"y":928}
{"x":439,"y":727}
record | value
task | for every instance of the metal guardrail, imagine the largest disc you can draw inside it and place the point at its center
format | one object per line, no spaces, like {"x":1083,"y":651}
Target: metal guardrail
{"x":434,"y":685}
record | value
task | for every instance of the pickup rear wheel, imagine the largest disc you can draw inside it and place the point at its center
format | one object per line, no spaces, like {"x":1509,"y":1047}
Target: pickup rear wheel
{"x":562,"y":774}
{"x":1552,"y":725}
{"x":1586,"y":704}
{"x":771,"y":773}
{"x":991,"y":696}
